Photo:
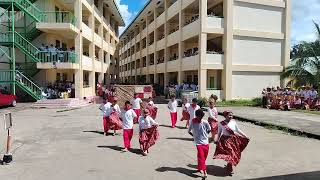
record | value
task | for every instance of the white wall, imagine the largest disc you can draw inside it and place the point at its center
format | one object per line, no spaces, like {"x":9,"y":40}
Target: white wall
{"x":250,"y":84}
{"x":258,"y":17}
{"x":258,"y":51}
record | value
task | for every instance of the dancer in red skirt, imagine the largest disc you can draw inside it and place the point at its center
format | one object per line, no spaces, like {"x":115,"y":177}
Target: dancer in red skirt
{"x":192,"y":109}
{"x":152,"y":108}
{"x":114,"y":121}
{"x":173,"y":105}
{"x":148,"y":132}
{"x":230,"y":140}
{"x":127,"y":118}
{"x":185,"y":113}
{"x":213,"y":117}
{"x":136,"y":106}
{"x":200,"y":129}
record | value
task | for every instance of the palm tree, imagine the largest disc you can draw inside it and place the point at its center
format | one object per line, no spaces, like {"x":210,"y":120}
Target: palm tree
{"x":304,"y":68}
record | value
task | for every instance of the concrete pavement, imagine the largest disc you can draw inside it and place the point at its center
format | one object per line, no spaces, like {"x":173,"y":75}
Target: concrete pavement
{"x":69,"y":146}
{"x":302,"y":122}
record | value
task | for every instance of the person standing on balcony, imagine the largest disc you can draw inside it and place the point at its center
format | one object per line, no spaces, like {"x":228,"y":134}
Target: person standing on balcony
{"x":136,"y":105}
{"x":172,"y":105}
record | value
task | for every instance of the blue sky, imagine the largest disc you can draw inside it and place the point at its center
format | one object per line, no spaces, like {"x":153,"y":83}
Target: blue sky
{"x":303,"y":13}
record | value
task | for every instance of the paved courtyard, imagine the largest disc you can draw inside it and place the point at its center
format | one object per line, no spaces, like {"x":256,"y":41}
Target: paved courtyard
{"x":51,"y":145}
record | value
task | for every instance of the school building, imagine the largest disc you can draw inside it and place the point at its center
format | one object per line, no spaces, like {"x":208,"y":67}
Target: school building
{"x":231,"y":48}
{"x":43,"y":42}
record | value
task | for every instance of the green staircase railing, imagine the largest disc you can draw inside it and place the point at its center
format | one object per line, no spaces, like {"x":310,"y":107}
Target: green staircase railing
{"x":10,"y":77}
{"x":6,"y":39}
{"x":5,"y":54}
{"x":27,"y":7}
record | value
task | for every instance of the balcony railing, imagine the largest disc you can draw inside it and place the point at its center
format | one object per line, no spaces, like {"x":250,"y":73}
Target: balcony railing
{"x":59,"y":17}
{"x":57,"y":56}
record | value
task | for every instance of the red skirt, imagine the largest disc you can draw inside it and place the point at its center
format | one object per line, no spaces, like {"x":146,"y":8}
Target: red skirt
{"x":214,"y":126}
{"x":229,"y":148}
{"x":153,"y":111}
{"x":148,"y":137}
{"x":138,"y":113}
{"x":185,"y":116}
{"x":115,"y":122}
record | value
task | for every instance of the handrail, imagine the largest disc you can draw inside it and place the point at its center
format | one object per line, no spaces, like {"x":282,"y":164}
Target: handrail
{"x":26,"y":40}
{"x":59,"y":17}
{"x":18,"y":72}
{"x":5,"y":53}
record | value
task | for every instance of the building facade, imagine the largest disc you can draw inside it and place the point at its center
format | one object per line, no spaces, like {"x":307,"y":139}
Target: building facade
{"x":231,"y":48}
{"x":45,"y":42}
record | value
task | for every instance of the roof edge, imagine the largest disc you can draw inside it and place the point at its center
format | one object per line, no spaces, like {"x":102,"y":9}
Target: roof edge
{"x":119,"y":12}
{"x":135,"y":18}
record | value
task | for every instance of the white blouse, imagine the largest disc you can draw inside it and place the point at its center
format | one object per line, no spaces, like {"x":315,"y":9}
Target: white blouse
{"x":145,"y":123}
{"x":232,"y":125}
{"x":185,"y":107}
{"x":213,"y":113}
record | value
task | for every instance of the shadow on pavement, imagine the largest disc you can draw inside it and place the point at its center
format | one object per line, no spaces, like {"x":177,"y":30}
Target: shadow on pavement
{"x":167,"y":126}
{"x":186,"y":171}
{"x":213,"y":170}
{"x":315,"y":175}
{"x":117,"y":148}
{"x":180,"y":138}
{"x":98,"y":132}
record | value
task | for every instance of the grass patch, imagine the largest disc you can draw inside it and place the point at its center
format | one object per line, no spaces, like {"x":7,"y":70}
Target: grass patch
{"x":66,"y":110}
{"x":241,"y":102}
{"x":307,"y":111}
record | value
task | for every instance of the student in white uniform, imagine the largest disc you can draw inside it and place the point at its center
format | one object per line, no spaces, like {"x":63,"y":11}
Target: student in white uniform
{"x":193,"y":108}
{"x":173,"y":105}
{"x":185,"y":113}
{"x":106,"y":111}
{"x":136,"y":106}
{"x":127,"y":119}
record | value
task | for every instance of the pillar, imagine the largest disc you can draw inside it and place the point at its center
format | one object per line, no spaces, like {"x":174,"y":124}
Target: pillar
{"x":78,"y":50}
{"x":227,"y":48}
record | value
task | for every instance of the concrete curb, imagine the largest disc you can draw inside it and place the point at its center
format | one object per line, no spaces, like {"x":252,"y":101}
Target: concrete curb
{"x":280,"y":127}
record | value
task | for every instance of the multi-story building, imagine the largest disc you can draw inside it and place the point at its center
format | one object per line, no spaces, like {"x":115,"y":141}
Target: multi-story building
{"x":58,"y":42}
{"x":231,"y":48}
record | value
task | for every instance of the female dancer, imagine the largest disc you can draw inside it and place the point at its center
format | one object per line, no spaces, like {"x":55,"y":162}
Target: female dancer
{"x":230,"y":140}
{"x":148,"y":132}
{"x":185,"y":113}
{"x":213,"y":117}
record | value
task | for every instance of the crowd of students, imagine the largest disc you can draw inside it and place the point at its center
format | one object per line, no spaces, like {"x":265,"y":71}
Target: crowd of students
{"x":286,"y":99}
{"x":229,"y":139}
{"x":176,"y":89}
{"x":55,"y":53}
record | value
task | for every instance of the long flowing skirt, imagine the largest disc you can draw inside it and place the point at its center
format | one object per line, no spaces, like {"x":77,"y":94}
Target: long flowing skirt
{"x":229,"y":148}
{"x":153,"y":111}
{"x":185,"y":116}
{"x":214,"y":126}
{"x":148,"y":137}
{"x":115,"y":122}
{"x":138,"y":113}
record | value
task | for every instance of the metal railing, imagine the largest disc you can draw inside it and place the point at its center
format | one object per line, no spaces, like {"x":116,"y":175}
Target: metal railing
{"x":57,"y":56}
{"x":27,"y":83}
{"x":6,"y":75}
{"x":59,"y":17}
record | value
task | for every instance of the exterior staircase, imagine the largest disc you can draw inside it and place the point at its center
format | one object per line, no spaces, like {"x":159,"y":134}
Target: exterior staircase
{"x":11,"y":77}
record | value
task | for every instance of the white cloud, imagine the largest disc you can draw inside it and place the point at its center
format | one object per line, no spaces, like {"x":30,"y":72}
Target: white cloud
{"x":126,"y":14}
{"x":303,"y":15}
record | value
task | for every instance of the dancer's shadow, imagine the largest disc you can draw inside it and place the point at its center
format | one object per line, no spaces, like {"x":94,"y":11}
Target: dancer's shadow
{"x":117,"y":148}
{"x":181,"y":138}
{"x":213,"y":170}
{"x":186,"y":171}
{"x":167,"y":126}
{"x":99,"y":132}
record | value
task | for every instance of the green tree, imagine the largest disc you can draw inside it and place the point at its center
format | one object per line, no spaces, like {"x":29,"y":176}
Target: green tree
{"x":304,"y":68}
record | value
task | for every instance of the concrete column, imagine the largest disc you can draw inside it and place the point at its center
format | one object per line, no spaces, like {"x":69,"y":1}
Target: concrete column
{"x":287,"y":46}
{"x":181,"y":46}
{"x":78,"y":50}
{"x":227,"y":48}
